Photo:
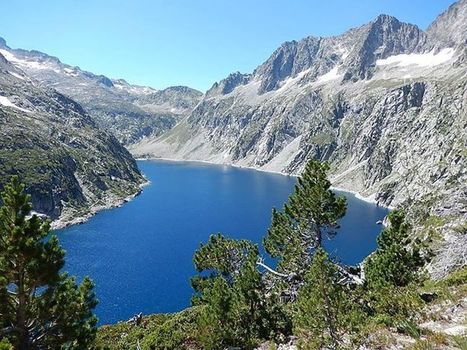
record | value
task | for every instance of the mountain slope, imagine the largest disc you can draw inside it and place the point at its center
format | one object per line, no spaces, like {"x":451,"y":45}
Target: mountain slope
{"x":71,"y":167}
{"x":384,"y":103}
{"x":450,"y":28}
{"x":130,"y":112}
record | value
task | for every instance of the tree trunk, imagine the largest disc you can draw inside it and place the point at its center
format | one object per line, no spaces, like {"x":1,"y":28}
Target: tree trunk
{"x":21,"y":322}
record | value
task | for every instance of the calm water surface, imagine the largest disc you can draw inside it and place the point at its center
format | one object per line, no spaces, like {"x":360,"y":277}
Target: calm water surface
{"x":140,"y":255}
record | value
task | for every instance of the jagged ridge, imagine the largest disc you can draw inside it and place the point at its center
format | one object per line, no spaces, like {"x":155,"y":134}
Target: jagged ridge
{"x":384,"y":103}
{"x":130,"y":112}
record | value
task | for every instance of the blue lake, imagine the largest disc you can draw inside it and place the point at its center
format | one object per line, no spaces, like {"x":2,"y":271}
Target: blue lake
{"x":140,"y":255}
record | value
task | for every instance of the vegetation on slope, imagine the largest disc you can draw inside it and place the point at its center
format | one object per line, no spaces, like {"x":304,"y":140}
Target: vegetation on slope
{"x":40,"y":308}
{"x":307,"y":298}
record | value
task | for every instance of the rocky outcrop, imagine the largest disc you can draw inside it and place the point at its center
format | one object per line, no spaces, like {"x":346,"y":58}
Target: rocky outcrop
{"x":71,"y":168}
{"x":354,"y":53}
{"x":450,"y":28}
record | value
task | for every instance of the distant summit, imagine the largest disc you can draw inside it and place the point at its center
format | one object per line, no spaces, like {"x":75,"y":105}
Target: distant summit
{"x":115,"y":104}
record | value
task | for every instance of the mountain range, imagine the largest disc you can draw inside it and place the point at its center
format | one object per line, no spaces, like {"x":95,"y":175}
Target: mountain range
{"x":130,"y":112}
{"x":71,"y":167}
{"x":384,"y":104}
{"x":53,"y":118}
{"x":368,"y":101}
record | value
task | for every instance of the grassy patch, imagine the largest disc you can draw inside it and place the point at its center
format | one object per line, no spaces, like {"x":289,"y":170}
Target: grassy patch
{"x":158,"y":331}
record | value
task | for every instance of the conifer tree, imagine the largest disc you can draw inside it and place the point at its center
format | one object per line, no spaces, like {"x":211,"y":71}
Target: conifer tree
{"x":40,"y":308}
{"x":311,"y":214}
{"x":216,"y":321}
{"x":231,"y":289}
{"x":391,"y":273}
{"x":324,"y":311}
{"x":396,"y":260}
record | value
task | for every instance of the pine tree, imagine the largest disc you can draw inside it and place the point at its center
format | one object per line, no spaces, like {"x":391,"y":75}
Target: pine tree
{"x":391,"y":273}
{"x":310,"y":215}
{"x":237,"y":311}
{"x":396,"y":261}
{"x":324,"y":311}
{"x":226,"y":292}
{"x":40,"y":308}
{"x":217,"y":319}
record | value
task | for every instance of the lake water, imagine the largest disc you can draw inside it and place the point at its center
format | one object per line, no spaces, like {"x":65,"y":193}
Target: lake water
{"x":140,"y":255}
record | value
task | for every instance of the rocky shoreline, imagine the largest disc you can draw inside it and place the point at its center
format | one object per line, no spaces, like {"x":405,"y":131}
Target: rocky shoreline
{"x":69,"y":217}
{"x":368,"y":199}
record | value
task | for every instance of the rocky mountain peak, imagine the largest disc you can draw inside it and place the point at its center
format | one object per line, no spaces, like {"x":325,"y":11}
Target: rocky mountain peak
{"x":228,"y":84}
{"x":376,"y":101}
{"x":395,"y":37}
{"x":384,"y":19}
{"x":383,"y":37}
{"x":354,"y":53}
{"x":102,"y":79}
{"x":182,"y":89}
{"x":290,"y":59}
{"x":117,"y":106}
{"x":450,"y":28}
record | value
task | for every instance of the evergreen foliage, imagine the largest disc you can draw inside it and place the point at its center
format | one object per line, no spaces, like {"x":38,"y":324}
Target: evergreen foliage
{"x":310,"y":215}
{"x":236,"y":306}
{"x":392,"y":274}
{"x":324,"y":311}
{"x":236,"y":310}
{"x":39,"y":307}
{"x":396,"y":261}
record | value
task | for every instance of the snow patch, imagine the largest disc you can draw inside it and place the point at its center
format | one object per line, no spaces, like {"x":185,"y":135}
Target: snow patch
{"x":28,"y":64}
{"x":292,"y":81}
{"x":344,"y":53}
{"x":135,"y":89}
{"x":16,"y":75}
{"x":428,"y":59}
{"x":7,"y":103}
{"x":331,"y":75}
{"x":8,"y":55}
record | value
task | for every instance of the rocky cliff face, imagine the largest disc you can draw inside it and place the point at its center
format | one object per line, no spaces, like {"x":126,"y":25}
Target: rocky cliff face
{"x":71,"y":167}
{"x":130,"y":112}
{"x":384,"y":103}
{"x":450,"y":27}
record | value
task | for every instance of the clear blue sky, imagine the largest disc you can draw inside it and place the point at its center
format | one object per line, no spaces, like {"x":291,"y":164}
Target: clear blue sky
{"x":190,"y":42}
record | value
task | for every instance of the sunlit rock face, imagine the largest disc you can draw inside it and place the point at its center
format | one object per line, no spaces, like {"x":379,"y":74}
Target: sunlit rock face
{"x":384,"y":103}
{"x":130,"y":112}
{"x":70,"y":166}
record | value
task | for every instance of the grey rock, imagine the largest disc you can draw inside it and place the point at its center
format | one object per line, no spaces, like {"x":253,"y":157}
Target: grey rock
{"x":450,"y":28}
{"x":130,"y":112}
{"x":70,"y":166}
{"x":384,"y":103}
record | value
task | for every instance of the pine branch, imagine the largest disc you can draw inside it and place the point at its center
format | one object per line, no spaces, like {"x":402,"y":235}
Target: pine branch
{"x":260,"y":263}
